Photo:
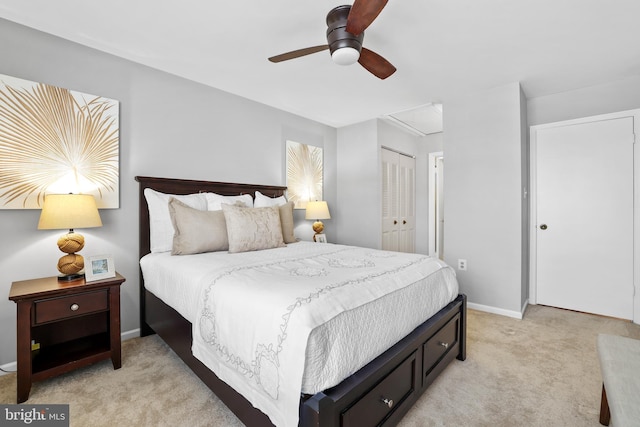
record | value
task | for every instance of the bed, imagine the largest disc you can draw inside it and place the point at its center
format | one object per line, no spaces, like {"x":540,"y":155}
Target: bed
{"x":379,"y":393}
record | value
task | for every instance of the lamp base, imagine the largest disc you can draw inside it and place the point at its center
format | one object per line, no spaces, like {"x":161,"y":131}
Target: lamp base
{"x":70,"y":277}
{"x":318,"y":227}
{"x":71,"y":264}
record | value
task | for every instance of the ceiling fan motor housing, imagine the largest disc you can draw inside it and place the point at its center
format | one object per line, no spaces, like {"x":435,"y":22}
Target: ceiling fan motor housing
{"x":337,"y":35}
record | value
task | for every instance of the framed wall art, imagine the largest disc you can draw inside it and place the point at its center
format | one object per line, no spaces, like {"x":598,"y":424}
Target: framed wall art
{"x":55,"y":140}
{"x":304,"y":173}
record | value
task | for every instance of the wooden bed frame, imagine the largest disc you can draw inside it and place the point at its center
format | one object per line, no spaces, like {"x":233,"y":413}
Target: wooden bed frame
{"x":379,"y":393}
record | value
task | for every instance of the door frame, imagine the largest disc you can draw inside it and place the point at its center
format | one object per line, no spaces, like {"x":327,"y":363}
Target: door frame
{"x":635,"y":114}
{"x":431,"y":215}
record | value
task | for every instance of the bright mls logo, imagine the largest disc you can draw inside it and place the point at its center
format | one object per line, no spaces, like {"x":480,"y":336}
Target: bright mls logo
{"x":34,"y":415}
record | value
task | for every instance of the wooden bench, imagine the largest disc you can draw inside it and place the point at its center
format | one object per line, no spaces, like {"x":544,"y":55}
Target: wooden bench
{"x":620,"y":366}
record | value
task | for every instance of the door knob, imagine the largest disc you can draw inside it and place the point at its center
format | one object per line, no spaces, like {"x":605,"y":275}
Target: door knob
{"x":543,"y":227}
{"x":395,"y":222}
{"x":404,"y":221}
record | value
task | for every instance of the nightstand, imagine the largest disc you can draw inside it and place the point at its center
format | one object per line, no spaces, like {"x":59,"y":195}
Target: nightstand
{"x":65,"y":325}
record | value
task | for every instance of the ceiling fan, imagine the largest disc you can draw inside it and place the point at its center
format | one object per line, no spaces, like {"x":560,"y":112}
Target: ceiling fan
{"x":345,"y":33}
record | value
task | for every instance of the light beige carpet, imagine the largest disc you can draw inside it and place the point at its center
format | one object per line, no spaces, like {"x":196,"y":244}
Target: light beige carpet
{"x":540,"y":371}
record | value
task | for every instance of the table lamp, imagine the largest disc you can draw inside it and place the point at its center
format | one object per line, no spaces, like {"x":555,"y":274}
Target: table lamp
{"x":317,"y":210}
{"x":61,"y":211}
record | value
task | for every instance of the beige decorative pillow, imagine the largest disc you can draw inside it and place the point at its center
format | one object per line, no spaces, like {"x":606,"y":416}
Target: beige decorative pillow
{"x":286,"y":220}
{"x":253,"y":229}
{"x":197,"y":231}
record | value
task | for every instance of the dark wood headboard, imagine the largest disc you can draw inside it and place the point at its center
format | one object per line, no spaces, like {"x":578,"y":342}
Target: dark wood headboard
{"x":187,"y":186}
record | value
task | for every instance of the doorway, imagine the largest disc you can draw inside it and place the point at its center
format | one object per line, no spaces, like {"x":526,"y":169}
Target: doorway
{"x":436,"y":204}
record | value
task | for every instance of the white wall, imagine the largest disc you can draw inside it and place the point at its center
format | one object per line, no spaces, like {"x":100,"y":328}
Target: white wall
{"x":357,"y":212}
{"x":483,"y":209}
{"x":619,"y":95}
{"x":359,"y":180}
{"x":169,"y":127}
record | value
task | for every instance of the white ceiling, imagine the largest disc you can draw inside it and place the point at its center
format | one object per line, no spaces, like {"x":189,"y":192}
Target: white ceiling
{"x":442,"y":48}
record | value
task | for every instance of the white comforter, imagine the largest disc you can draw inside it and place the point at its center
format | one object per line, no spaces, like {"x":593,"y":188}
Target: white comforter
{"x":277,"y":322}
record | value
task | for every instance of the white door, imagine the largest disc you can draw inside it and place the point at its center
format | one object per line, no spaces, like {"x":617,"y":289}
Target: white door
{"x":584,"y":217}
{"x":398,"y":202}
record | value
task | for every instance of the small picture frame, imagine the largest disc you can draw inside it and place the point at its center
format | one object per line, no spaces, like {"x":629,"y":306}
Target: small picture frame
{"x":99,"y":267}
{"x":321,"y":238}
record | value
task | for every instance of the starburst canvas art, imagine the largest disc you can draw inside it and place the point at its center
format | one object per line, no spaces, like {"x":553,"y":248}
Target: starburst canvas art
{"x":304,"y":173}
{"x":55,"y":140}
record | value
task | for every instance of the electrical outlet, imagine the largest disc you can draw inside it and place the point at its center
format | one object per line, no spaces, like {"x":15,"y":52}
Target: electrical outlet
{"x":462,"y":264}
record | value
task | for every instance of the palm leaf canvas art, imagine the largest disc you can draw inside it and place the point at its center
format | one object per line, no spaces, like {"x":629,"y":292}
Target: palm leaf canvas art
{"x":54,"y":140}
{"x":304,"y":173}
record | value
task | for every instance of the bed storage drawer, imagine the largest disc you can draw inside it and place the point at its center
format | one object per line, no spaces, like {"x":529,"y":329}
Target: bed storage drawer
{"x":442,"y":342}
{"x":375,"y":406}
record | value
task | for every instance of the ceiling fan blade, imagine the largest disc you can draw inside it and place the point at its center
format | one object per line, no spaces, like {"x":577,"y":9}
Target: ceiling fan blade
{"x":376,"y":64}
{"x":362,"y":14}
{"x":298,"y":53}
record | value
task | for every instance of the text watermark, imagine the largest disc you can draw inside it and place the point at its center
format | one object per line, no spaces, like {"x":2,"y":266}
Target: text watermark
{"x":34,"y":415}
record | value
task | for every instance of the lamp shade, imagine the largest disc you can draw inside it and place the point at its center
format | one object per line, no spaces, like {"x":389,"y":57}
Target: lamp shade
{"x":68,"y":211}
{"x":317,"y":210}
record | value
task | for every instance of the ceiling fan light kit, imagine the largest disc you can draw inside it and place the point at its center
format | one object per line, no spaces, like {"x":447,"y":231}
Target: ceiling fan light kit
{"x":345,"y":56}
{"x":345,"y":34}
{"x":344,"y":47}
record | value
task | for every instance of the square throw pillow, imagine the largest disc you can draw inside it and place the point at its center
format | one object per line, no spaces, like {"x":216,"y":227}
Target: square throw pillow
{"x":262,"y":201}
{"x":215,"y":201}
{"x":253,"y":229}
{"x":160,"y":226}
{"x":286,"y":221}
{"x":197,"y":231}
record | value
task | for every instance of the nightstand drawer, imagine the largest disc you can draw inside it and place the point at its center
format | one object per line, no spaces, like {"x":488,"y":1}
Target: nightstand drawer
{"x":74,"y":305}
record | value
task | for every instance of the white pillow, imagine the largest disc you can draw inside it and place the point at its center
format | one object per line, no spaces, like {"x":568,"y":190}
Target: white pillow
{"x":266,"y":201}
{"x":215,"y":201}
{"x":160,"y":226}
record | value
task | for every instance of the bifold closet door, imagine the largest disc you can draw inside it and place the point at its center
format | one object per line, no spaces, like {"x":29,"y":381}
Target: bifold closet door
{"x":398,"y":202}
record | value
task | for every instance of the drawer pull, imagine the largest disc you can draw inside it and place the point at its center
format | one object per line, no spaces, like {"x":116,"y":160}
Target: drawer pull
{"x":74,"y":307}
{"x":388,"y":402}
{"x":444,"y":344}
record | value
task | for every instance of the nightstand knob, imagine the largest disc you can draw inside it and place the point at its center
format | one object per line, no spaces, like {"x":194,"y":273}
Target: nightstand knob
{"x":388,"y":402}
{"x":74,"y":307}
{"x":444,"y":344}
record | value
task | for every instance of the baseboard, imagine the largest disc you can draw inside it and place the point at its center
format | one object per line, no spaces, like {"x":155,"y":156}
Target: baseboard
{"x":9,"y":368}
{"x":495,"y":310}
{"x":12,"y":367}
{"x":134,"y":333}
